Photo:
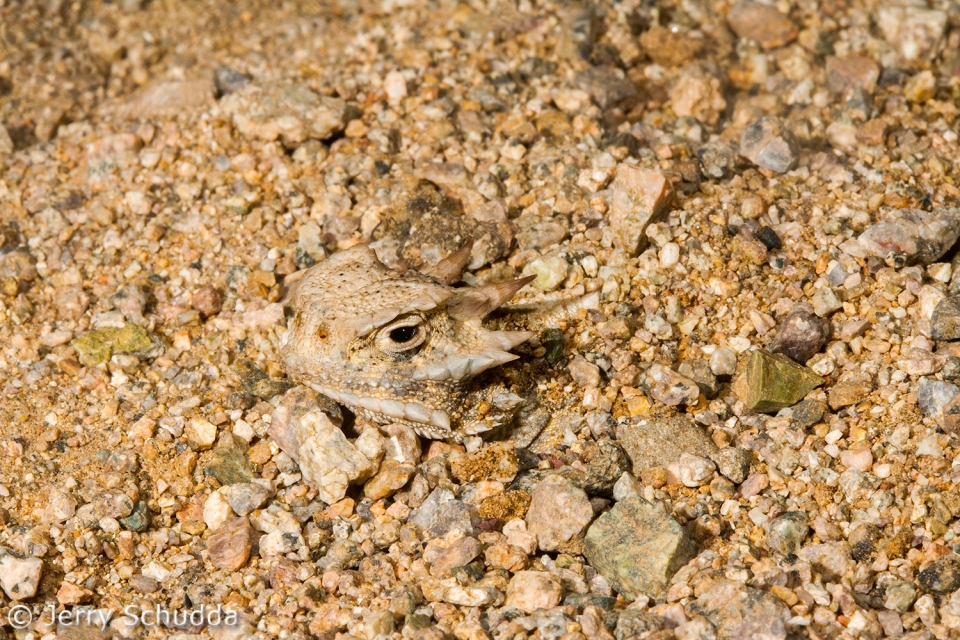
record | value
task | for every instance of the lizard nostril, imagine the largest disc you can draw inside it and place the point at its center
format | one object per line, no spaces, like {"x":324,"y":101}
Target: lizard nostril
{"x":322,"y":333}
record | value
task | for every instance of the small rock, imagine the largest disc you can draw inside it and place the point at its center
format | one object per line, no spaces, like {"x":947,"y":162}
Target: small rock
{"x":762,"y":23}
{"x":495,"y":461}
{"x":202,"y":433}
{"x":773,"y":382}
{"x":637,"y":548}
{"x":395,"y":86}
{"x":933,"y":395}
{"x":695,"y":471}
{"x":208,"y":301}
{"x":899,"y":596}
{"x":717,"y":159}
{"x":723,"y":361}
{"x":19,"y":575}
{"x":740,"y":611}
{"x":97,"y":347}
{"x":945,"y":322}
{"x":229,"y":463}
{"x":170,"y":98}
{"x":143,"y":584}
{"x":637,"y":197}
{"x":912,"y":236}
{"x":863,"y":542}
{"x":607,"y":86}
{"x":802,"y":334}
{"x":391,"y":477}
{"x":732,"y":463}
{"x":585,"y":374}
{"x":915,"y":31}
{"x":670,"y":388}
{"x":327,"y":459}
{"x":532,"y":590}
{"x":440,"y":514}
{"x":229,"y":547}
{"x":832,"y":559}
{"x":634,"y":623}
{"x":457,"y":554}
{"x":943,"y":576}
{"x":921,"y":87}
{"x":246,"y":497}
{"x":769,"y":145}
{"x":229,"y":80}
{"x":855,"y":72}
{"x":697,"y":93}
{"x":559,"y":513}
{"x":216,"y":510}
{"x":669,"y":47}
{"x":825,"y":301}
{"x":258,"y":383}
{"x":291,"y":113}
{"x":71,"y":594}
{"x":661,"y":442}
{"x":698,"y":370}
{"x":787,"y":532}
{"x":549,"y":272}
{"x":851,"y":388}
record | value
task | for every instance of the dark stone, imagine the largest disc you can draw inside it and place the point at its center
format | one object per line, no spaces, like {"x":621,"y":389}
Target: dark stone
{"x":605,"y":465}
{"x":229,"y":464}
{"x":808,"y":412}
{"x":769,"y":238}
{"x":787,"y":532}
{"x":699,"y":371}
{"x":943,"y":576}
{"x":945,"y":323}
{"x":802,"y":334}
{"x":863,"y":542}
{"x":229,"y":80}
{"x":258,"y":383}
{"x":139,"y":520}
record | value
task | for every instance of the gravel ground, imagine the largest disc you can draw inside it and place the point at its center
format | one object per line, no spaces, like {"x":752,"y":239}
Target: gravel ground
{"x":746,"y":429}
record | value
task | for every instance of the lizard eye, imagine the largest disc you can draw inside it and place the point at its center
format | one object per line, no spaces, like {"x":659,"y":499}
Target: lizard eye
{"x":403,"y":335}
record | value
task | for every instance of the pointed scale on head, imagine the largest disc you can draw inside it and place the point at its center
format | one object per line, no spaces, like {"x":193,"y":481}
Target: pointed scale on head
{"x":396,"y":346}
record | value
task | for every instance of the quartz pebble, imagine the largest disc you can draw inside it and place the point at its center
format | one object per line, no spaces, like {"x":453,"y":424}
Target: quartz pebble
{"x":769,"y":145}
{"x":19,"y":575}
{"x":559,"y":512}
{"x":638,"y":196}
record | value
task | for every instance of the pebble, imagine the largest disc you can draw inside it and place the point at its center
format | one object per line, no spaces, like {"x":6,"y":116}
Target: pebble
{"x":549,"y":273}
{"x":208,"y":301}
{"x":584,"y":373}
{"x":327,"y":459}
{"x":723,"y":362}
{"x":787,"y":532}
{"x":733,"y":463}
{"x":769,"y":145}
{"x":19,"y":575}
{"x":391,"y":477}
{"x":773,"y":382}
{"x":229,"y":80}
{"x":945,"y":323}
{"x":246,"y":497}
{"x":762,"y":23}
{"x":637,"y":548}
{"x":202,"y":433}
{"x":933,"y":395}
{"x":801,"y":335}
{"x":670,"y":388}
{"x":912,"y":235}
{"x":739,"y":611}
{"x":559,"y":513}
{"x":695,"y":471}
{"x":825,"y":301}
{"x":230,"y":545}
{"x":637,"y":197}
{"x":914,"y":31}
{"x":852,"y":387}
{"x":853,"y":72}
{"x":529,"y":591}
{"x":442,"y":559}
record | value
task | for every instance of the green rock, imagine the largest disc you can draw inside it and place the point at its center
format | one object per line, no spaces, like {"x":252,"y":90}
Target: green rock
{"x":97,"y":346}
{"x":230,"y":463}
{"x":637,"y":548}
{"x":139,"y":520}
{"x":773,"y":382}
{"x":258,"y":383}
{"x":945,"y":323}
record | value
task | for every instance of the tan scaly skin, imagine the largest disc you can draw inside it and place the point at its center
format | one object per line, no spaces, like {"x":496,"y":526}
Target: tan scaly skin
{"x":402,"y":346}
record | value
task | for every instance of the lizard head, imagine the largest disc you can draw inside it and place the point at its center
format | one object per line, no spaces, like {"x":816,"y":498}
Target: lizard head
{"x":401,"y":346}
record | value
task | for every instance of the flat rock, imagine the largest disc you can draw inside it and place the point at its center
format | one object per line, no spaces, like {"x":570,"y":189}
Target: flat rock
{"x":787,"y":532}
{"x":773,"y":382}
{"x":246,"y":497}
{"x":637,"y":197}
{"x":637,"y":548}
{"x":762,"y":23}
{"x":915,"y":31}
{"x":912,"y":235}
{"x":559,"y":513}
{"x":942,"y":576}
{"x":855,"y":72}
{"x":768,"y":144}
{"x":661,"y":442}
{"x":739,"y":611}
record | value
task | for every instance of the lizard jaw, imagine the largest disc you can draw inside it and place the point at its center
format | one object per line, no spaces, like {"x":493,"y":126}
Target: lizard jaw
{"x":402,"y":411}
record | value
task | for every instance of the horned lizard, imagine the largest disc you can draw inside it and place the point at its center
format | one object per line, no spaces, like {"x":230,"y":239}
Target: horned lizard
{"x":402,"y":346}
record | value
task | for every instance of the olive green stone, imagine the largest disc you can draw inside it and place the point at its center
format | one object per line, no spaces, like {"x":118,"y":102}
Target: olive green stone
{"x":773,"y":382}
{"x":637,"y":548}
{"x":97,"y":346}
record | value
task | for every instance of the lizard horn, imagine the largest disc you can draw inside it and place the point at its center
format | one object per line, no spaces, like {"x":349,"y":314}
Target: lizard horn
{"x":449,"y":269}
{"x":480,"y":301}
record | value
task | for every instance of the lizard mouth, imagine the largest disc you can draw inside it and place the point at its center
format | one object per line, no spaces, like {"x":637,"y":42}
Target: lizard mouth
{"x":408,"y":411}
